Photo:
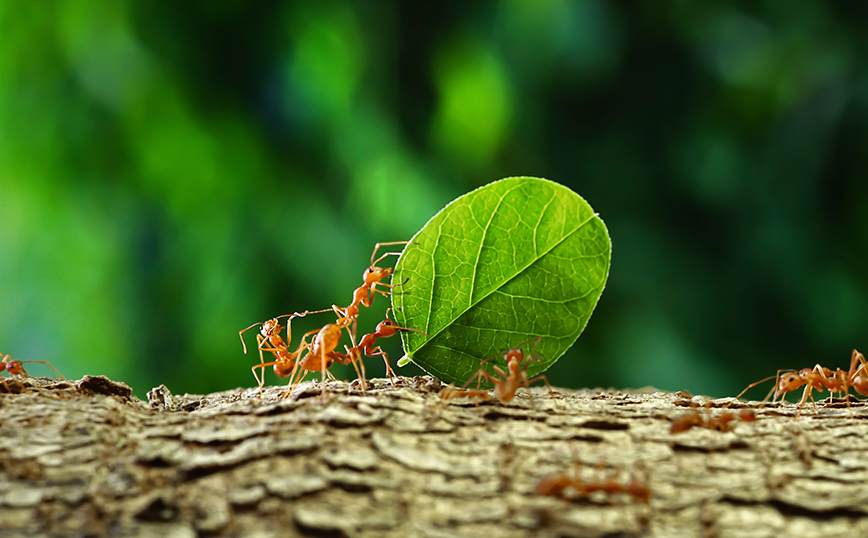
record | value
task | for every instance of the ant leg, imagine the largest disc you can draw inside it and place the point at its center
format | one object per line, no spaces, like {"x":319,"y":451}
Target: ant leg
{"x":385,"y":356}
{"x":544,"y":378}
{"x":299,"y":380}
{"x":863,"y":364}
{"x":303,"y":345}
{"x":763,"y":380}
{"x":390,"y":286}
{"x":360,"y":370}
{"x":384,"y":256}
{"x":260,"y":382}
{"x":862,"y":370}
{"x":446,"y":394}
{"x":241,"y":336}
{"x":532,"y":356}
{"x":490,"y":377}
{"x":387,"y":244}
{"x":297,"y":315}
{"x":50,"y":366}
{"x":809,"y":388}
{"x":469,"y":381}
{"x":783,"y":397}
{"x":302,"y":314}
{"x":259,"y":340}
{"x":351,"y":358}
{"x":374,"y":289}
{"x":482,"y":373}
{"x":345,"y":320}
{"x":322,"y":369}
{"x":386,"y":293}
{"x":3,"y":380}
{"x":297,"y":368}
{"x":263,"y":366}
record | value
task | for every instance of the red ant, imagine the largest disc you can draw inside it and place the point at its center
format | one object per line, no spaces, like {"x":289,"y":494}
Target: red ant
{"x":321,"y":353}
{"x":747,"y":415}
{"x":506,"y":383}
{"x":819,"y":378}
{"x":366,"y":345}
{"x":16,"y":368}
{"x":269,"y":340}
{"x":554,"y":486}
{"x":373,"y":277}
{"x":720,"y":423}
{"x":450,"y":391}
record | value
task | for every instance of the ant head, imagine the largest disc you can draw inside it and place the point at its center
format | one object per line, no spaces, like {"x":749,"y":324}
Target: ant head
{"x":386,"y":328}
{"x":14,"y":367}
{"x":514,"y":355}
{"x":271,"y":326}
{"x":788,"y":383}
{"x":376,"y":274}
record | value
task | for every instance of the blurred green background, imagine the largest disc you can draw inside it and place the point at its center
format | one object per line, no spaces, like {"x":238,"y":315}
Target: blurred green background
{"x":171,"y":172}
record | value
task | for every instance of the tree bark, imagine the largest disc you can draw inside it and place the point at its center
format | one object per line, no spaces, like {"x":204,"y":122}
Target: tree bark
{"x":87,"y":458}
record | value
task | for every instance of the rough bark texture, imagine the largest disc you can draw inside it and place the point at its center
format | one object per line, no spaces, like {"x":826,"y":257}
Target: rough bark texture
{"x":86,"y":458}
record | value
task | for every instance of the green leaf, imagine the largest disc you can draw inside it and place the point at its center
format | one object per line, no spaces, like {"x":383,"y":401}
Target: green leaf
{"x":514,"y":260}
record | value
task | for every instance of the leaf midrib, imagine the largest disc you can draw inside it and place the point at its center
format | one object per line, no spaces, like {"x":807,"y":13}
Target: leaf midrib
{"x":518,"y":273}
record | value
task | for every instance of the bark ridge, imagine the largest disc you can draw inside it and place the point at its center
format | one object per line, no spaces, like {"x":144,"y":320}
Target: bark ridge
{"x":86,"y":458}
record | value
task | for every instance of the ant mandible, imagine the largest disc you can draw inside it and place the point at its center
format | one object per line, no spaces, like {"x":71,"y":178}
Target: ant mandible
{"x":366,"y":345}
{"x":506,"y":383}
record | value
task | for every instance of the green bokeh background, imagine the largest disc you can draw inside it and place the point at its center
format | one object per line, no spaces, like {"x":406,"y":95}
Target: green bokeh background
{"x":171,"y":172}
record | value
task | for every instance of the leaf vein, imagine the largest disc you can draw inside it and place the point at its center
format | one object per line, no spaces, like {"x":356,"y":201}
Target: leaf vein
{"x":519,"y":272}
{"x":482,"y":242}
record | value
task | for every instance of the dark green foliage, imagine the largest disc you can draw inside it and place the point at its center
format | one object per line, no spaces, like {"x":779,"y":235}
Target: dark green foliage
{"x":171,"y":172}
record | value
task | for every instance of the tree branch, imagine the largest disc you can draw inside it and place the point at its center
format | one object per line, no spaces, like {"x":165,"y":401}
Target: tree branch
{"x":87,"y":457}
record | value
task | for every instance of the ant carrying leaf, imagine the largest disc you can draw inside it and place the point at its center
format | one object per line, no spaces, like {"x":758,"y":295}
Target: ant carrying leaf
{"x":507,"y":382}
{"x":372,"y":277}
